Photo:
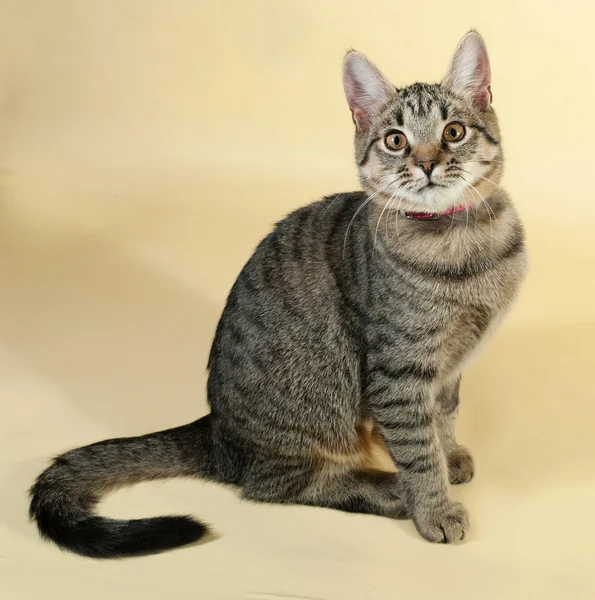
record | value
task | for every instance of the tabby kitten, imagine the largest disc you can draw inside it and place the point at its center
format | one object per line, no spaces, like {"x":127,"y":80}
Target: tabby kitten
{"x":343,"y":339}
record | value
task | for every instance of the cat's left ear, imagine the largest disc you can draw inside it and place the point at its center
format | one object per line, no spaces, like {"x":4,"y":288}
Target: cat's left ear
{"x":469,"y":73}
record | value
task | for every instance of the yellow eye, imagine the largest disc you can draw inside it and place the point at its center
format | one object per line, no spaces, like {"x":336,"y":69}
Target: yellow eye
{"x":395,"y":140}
{"x":454,"y":132}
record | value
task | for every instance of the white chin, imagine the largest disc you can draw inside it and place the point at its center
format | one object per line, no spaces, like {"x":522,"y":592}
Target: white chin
{"x":433,"y":199}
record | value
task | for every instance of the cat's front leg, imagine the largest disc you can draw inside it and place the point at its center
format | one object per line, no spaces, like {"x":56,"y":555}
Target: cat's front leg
{"x":403,"y":400}
{"x":458,"y":458}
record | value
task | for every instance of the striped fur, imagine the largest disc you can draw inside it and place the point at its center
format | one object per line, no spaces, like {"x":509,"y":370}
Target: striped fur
{"x":335,"y":369}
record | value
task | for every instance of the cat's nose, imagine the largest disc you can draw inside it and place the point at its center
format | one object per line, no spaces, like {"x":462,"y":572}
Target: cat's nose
{"x":427,"y":166}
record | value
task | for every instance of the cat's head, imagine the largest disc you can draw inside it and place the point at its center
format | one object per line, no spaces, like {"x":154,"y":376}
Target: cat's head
{"x":426,"y":145}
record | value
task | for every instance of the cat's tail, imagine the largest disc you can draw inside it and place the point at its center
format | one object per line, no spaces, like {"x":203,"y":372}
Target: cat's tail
{"x":63,"y":497}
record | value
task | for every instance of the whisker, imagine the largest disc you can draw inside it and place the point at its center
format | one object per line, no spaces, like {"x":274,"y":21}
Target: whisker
{"x":500,"y":189}
{"x":467,"y":215}
{"x":483,"y":160}
{"x":330,"y":205}
{"x":391,"y":209}
{"x":453,"y":219}
{"x":482,"y":198}
{"x":397,"y":219}
{"x":364,"y":203}
{"x":379,"y":220}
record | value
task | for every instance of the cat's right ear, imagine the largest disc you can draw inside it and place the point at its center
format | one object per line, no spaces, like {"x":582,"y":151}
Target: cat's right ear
{"x":366,"y":89}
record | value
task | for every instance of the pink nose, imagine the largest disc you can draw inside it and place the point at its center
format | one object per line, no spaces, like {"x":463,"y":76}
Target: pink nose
{"x":427,"y":166}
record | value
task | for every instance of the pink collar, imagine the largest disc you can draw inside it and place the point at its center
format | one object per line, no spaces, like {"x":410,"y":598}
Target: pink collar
{"x":424,"y":216}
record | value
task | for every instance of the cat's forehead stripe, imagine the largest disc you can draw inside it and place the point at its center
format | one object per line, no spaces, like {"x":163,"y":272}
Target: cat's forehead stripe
{"x":420,"y":100}
{"x":397,"y":115}
{"x":444,"y":111}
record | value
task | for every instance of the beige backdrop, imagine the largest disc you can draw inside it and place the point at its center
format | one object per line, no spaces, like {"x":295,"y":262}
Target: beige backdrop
{"x":145,"y":148}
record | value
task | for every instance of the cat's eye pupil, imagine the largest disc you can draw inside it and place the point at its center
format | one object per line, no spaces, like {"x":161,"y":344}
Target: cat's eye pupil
{"x":454,"y":132}
{"x":395,"y":141}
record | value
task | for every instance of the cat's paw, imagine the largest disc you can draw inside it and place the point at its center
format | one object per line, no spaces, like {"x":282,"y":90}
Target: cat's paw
{"x":445,"y":527}
{"x":460,"y":466}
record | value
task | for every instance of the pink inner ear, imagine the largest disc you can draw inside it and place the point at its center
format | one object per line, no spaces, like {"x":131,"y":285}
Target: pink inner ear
{"x":484,"y":97}
{"x":360,"y":118}
{"x":485,"y":92}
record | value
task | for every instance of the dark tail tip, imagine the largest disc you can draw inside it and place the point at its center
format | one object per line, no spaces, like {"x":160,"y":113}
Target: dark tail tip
{"x":105,"y":538}
{"x":97,"y":537}
{"x":73,"y":527}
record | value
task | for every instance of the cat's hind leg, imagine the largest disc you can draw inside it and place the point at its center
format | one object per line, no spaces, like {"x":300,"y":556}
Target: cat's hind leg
{"x":327,"y":485}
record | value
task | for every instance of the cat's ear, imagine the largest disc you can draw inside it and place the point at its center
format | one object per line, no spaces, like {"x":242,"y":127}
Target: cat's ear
{"x":366,"y":89}
{"x":469,"y":73}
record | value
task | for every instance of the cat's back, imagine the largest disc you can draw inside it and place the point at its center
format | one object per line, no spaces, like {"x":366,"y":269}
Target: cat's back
{"x":290,"y":285}
{"x":298,"y":257}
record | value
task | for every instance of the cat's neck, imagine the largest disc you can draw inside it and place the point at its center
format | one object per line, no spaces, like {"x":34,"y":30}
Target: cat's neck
{"x":477,"y":233}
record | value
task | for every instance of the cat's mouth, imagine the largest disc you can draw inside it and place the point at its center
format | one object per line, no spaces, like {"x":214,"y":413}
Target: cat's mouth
{"x":430,"y":185}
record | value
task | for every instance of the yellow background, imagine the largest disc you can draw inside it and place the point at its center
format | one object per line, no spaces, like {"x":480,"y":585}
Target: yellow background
{"x":145,"y":148}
